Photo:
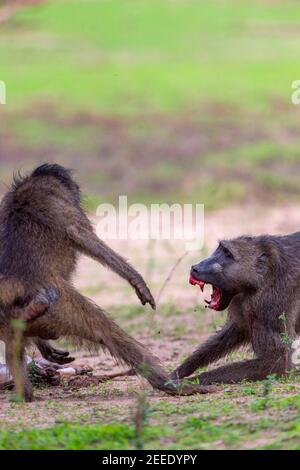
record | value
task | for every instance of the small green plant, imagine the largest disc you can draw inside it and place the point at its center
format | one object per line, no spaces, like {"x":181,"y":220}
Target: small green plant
{"x":140,"y":419}
{"x":249,"y":389}
{"x":285,"y":338}
{"x":268,"y":384}
{"x":34,"y":376}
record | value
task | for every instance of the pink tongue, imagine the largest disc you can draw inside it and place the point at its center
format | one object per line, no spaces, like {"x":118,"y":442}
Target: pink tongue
{"x":215,"y":298}
{"x":195,"y":282}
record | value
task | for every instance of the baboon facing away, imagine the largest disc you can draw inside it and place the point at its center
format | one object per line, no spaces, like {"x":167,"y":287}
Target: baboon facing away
{"x":258,"y":279}
{"x":43,"y":229}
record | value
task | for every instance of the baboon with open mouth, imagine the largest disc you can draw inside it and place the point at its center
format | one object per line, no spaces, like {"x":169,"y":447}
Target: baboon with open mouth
{"x":258,"y":279}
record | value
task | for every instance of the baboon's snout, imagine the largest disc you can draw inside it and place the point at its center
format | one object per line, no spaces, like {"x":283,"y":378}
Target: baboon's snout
{"x":202,"y":269}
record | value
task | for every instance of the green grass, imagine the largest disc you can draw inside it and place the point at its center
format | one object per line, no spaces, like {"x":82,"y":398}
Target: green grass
{"x":238,"y":420}
{"x":35,"y":132}
{"x":69,"y":436}
{"x":159,"y":55}
{"x":194,"y":94}
{"x":262,"y":415}
{"x":257,"y":153}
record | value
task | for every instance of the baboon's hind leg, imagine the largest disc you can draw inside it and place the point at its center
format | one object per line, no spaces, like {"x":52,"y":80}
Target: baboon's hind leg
{"x":52,"y":354}
{"x":82,"y":318}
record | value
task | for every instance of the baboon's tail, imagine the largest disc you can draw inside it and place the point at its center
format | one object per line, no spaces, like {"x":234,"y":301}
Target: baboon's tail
{"x":85,"y":320}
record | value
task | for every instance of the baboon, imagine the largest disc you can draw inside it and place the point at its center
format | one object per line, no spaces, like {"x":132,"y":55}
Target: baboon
{"x":52,"y":354}
{"x":15,"y":303}
{"x":43,"y":230}
{"x":258,"y":279}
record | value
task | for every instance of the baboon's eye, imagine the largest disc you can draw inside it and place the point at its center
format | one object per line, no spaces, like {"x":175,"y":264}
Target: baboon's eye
{"x":263,"y":258}
{"x":227,"y":252}
{"x":262,"y":263}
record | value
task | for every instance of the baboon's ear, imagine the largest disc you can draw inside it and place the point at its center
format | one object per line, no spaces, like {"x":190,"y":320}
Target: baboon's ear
{"x":262,"y":263}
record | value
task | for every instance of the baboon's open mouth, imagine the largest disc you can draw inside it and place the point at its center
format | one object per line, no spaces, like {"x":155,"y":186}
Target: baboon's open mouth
{"x":219,"y":298}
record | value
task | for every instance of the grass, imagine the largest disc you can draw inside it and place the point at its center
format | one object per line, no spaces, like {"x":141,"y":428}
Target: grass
{"x":68,"y":436}
{"x":127,"y":56}
{"x":35,"y":132}
{"x":196,"y":95}
{"x":262,"y":415}
{"x":243,"y":418}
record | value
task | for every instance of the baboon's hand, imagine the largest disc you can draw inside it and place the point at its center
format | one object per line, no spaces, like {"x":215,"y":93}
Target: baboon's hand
{"x":185,"y":389}
{"x":144,"y":294}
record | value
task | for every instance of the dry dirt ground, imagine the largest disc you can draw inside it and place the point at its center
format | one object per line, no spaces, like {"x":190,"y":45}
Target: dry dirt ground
{"x":172,"y":332}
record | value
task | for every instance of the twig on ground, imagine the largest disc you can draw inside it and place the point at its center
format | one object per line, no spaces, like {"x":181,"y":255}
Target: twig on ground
{"x":140,"y":416}
{"x":169,"y":277}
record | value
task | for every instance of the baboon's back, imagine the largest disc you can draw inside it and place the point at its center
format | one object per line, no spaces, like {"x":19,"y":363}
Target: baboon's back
{"x":32,"y":242}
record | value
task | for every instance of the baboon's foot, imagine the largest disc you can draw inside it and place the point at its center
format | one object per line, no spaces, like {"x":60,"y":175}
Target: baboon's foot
{"x":54,"y":355}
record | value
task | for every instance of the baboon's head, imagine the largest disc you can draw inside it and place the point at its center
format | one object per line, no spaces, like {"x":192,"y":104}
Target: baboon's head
{"x":236,"y":266}
{"x":61,"y":174}
{"x":50,"y":177}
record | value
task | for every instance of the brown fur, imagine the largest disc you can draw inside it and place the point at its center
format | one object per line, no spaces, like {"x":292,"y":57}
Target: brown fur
{"x":16,"y":305}
{"x":43,"y":229}
{"x":260,"y":280}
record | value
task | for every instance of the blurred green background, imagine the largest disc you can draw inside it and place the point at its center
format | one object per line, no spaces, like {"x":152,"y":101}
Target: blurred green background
{"x":162,"y":100}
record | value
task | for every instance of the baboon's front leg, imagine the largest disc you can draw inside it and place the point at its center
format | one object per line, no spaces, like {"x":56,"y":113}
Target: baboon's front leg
{"x":252,"y":370}
{"x":74,"y":224}
{"x":273,"y":357}
{"x":217,"y":346}
{"x":88,"y":243}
